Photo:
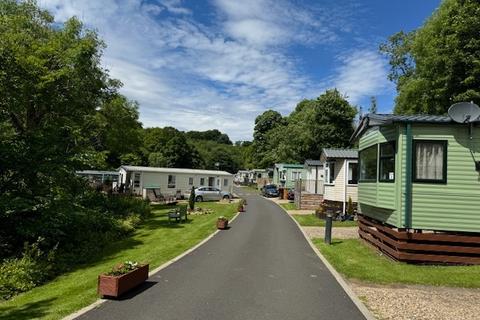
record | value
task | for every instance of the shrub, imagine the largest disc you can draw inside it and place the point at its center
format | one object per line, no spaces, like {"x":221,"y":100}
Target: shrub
{"x":76,"y":226}
{"x":18,"y":275}
{"x":321,"y":211}
{"x":191,"y":200}
{"x":350,"y":208}
{"x":241,"y":203}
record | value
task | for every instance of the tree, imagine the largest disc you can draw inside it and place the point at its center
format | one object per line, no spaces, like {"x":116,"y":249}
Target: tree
{"x":118,"y":130}
{"x":314,"y":124}
{"x":209,"y":135}
{"x":265,"y":123}
{"x":438,"y":64}
{"x":178,"y":153}
{"x":399,"y":50}
{"x":51,"y":86}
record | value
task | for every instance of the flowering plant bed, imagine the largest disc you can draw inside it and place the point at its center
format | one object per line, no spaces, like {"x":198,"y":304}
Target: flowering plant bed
{"x":122,"y":278}
{"x":222,"y":223}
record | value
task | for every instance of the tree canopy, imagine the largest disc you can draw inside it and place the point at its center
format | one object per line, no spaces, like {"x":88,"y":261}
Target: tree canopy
{"x":439,"y":63}
{"x":314,"y":124}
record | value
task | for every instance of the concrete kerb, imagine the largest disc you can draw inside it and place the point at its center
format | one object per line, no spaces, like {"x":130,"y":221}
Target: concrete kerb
{"x":151,"y":273}
{"x":363,"y":309}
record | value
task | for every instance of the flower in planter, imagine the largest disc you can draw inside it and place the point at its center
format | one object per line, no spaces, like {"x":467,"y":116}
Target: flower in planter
{"x":223,"y":218}
{"x":123,"y":268}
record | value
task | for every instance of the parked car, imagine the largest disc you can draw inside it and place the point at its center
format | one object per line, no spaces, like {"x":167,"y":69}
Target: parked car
{"x":291,"y":194}
{"x":270,"y":191}
{"x":210,"y":193}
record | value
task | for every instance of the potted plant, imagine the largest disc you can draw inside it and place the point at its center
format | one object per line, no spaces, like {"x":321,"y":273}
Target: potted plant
{"x":122,"y":278}
{"x":321,"y":211}
{"x":222,"y":223}
{"x":241,"y":205}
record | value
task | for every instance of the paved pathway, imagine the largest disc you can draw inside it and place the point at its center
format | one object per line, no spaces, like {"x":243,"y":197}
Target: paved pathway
{"x":262,"y":268}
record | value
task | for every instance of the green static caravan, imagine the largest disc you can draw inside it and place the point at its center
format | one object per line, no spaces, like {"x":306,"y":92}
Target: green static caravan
{"x":285,"y":174}
{"x":418,"y":174}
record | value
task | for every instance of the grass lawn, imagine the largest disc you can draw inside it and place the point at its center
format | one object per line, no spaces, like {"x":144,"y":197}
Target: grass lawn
{"x":155,"y":242}
{"x":250,"y":188}
{"x":288,"y":206}
{"x":355,"y":260}
{"x":310,"y":220}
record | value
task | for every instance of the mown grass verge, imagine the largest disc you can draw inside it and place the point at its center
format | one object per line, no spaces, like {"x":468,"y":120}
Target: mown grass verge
{"x":251,"y":188}
{"x":310,"y":220}
{"x":355,"y":260}
{"x":288,"y":206}
{"x":155,"y":241}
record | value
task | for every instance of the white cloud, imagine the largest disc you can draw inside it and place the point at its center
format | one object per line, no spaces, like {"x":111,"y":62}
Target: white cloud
{"x":197,"y":77}
{"x":274,"y":22}
{"x":363,"y":73}
{"x":175,"y":6}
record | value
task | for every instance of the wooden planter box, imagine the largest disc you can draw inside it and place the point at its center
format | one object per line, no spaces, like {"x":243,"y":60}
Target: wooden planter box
{"x":115,"y":286}
{"x":222,"y":224}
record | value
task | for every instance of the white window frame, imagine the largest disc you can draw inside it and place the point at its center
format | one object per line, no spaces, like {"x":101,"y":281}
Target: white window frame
{"x":327,"y":172}
{"x":135,"y":183}
{"x":347,"y":172}
{"x":225,"y":182}
{"x":190,"y":181}
{"x":171,"y":183}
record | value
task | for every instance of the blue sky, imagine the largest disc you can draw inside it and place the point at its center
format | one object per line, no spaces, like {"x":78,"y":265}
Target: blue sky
{"x":198,"y":65}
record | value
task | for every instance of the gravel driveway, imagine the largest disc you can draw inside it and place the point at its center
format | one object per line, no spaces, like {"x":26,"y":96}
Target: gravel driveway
{"x":413,"y":302}
{"x":337,"y":232}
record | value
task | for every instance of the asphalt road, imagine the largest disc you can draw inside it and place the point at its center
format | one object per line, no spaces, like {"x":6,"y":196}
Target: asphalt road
{"x":261,"y":268}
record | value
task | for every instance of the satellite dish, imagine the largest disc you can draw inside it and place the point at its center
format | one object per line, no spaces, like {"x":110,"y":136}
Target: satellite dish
{"x":464,"y":112}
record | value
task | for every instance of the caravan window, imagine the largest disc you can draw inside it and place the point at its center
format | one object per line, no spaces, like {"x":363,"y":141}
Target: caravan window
{"x":330,"y":172}
{"x":202,"y":181}
{"x":190,"y":181}
{"x":430,"y":161}
{"x":296,"y":175}
{"x":387,"y":162}
{"x":352,"y":172}
{"x":171,"y":181}
{"x":368,"y":164}
{"x":136,"y":179}
{"x":225,"y":182}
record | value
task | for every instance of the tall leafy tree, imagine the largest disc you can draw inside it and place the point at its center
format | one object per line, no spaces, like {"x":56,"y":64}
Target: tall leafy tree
{"x":314,"y":124}
{"x":439,"y":63}
{"x":51,"y":86}
{"x":265,"y":124}
{"x":209,"y":135}
{"x":118,"y":131}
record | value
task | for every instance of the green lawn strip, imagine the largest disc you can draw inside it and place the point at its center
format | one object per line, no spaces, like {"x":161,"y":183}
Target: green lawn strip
{"x":155,"y":242}
{"x":288,"y":206}
{"x":310,"y":220}
{"x":356,"y":260}
{"x":250,"y":188}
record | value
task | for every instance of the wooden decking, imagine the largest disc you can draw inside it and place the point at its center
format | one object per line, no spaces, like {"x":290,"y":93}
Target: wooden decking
{"x":421,"y":246}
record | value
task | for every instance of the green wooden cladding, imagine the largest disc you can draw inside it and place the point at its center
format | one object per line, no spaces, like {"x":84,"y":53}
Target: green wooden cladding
{"x":288,"y":168}
{"x":452,"y":206}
